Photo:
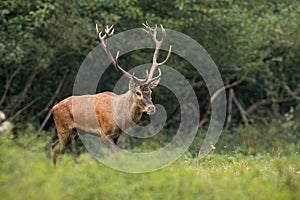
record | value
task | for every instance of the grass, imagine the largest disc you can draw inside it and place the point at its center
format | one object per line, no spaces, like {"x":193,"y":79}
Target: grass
{"x":30,"y":175}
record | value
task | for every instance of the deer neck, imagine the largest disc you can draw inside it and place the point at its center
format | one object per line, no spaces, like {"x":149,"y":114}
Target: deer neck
{"x":130,"y":112}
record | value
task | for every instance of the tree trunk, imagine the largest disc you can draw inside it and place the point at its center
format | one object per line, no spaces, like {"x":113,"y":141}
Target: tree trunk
{"x":240,"y":108}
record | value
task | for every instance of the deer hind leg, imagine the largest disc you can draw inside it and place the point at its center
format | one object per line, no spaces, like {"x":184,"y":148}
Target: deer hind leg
{"x":109,"y":142}
{"x":74,"y":136}
{"x":59,"y":146}
{"x":115,"y":140}
{"x":55,"y":151}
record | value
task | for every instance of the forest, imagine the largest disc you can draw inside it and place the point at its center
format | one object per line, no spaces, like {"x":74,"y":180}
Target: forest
{"x":256,"y":48}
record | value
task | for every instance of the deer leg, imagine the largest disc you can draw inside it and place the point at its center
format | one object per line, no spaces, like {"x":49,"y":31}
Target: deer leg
{"x":55,"y":151}
{"x":74,"y":137}
{"x":116,"y":140}
{"x":59,"y":147}
{"x":109,"y":142}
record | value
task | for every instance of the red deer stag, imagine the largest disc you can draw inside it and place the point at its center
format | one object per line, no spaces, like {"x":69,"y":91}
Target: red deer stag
{"x":95,"y":113}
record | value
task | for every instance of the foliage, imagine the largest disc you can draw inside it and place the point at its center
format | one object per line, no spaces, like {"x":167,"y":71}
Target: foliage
{"x":246,"y":177}
{"x":278,"y":137}
{"x":43,"y":43}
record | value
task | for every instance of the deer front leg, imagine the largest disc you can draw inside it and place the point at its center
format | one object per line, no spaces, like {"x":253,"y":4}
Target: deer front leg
{"x":109,"y":142}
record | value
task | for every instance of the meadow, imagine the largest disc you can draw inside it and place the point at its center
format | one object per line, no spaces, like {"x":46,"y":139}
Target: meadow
{"x":29,"y":174}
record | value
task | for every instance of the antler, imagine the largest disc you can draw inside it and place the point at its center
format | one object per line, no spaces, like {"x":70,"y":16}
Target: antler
{"x":153,"y":35}
{"x":109,"y":31}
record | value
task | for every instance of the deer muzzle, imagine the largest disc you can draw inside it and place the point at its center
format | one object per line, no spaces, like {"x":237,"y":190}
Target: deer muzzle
{"x":150,"y":109}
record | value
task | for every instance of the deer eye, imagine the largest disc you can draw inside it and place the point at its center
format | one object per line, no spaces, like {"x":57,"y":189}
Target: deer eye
{"x":139,"y":94}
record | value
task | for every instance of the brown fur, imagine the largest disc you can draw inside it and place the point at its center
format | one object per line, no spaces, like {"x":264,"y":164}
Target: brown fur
{"x":106,"y":114}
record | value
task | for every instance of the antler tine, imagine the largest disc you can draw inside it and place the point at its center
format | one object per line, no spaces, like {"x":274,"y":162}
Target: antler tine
{"x":163,"y":30}
{"x":117,"y":56}
{"x":157,"y":77}
{"x":99,"y":34}
{"x":122,"y":71}
{"x":108,"y":32}
{"x":151,"y":31}
{"x":167,"y":58}
{"x":153,"y":34}
{"x":146,"y":25}
{"x":147,"y":73}
{"x":97,"y":30}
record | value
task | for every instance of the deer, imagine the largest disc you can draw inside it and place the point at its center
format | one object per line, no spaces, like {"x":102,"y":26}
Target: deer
{"x":108,"y":114}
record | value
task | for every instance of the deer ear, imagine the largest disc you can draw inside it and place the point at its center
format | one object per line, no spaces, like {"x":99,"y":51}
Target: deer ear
{"x":133,"y":84}
{"x":153,"y":84}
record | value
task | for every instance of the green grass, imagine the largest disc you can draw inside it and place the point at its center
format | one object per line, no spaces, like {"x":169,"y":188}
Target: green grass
{"x":30,"y":175}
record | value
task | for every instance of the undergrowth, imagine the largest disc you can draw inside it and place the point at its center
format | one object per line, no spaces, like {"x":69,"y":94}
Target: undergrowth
{"x":29,"y":174}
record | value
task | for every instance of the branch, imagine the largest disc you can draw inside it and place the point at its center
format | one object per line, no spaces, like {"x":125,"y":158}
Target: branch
{"x":24,"y":92}
{"x":51,"y":101}
{"x":229,"y":110}
{"x":7,"y":85}
{"x":213,"y":97}
{"x":24,"y":108}
{"x":262,"y":102}
{"x":38,"y":134}
{"x":235,"y":83}
{"x":44,"y":122}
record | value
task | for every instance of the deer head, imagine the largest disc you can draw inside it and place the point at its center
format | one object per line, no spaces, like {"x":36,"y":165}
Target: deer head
{"x":140,"y":88}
